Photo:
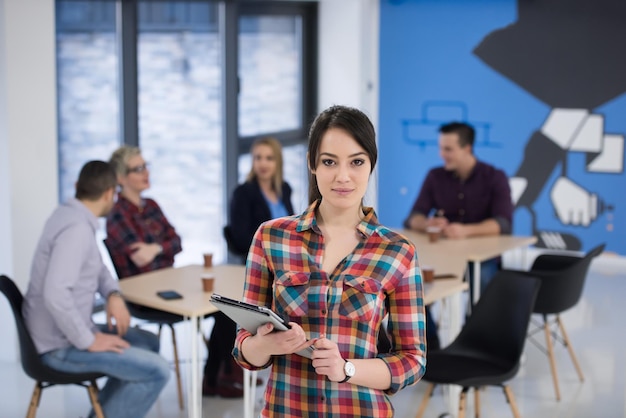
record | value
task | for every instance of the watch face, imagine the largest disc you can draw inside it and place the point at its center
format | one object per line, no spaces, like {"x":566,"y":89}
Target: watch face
{"x":349,"y":369}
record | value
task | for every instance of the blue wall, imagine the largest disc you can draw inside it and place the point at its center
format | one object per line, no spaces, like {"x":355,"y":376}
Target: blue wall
{"x":430,"y":74}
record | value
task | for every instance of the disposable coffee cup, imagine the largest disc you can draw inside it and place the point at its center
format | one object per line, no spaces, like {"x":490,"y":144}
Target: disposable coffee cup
{"x":428,"y":274}
{"x":433,"y":233}
{"x":208,"y":280}
{"x":208,"y":259}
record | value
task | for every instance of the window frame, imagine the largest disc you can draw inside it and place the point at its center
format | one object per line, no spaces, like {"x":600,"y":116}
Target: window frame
{"x":229,"y":13}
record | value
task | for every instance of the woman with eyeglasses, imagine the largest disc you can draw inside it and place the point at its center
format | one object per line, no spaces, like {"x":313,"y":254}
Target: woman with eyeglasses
{"x":139,"y":236}
{"x":141,"y":239}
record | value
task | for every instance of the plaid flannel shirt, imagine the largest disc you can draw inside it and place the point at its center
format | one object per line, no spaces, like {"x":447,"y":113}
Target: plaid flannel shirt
{"x":380,"y":277}
{"x":127,"y":224}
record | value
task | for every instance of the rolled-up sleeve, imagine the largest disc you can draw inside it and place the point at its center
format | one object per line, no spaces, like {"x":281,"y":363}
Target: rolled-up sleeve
{"x":502,"y":205}
{"x":406,"y":325}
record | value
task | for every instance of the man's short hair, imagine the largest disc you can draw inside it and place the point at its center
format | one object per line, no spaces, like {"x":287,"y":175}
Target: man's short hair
{"x":95,"y":178}
{"x":464,"y":130}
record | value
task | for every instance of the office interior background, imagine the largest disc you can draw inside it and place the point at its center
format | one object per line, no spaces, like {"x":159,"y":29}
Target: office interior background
{"x":409,"y":64}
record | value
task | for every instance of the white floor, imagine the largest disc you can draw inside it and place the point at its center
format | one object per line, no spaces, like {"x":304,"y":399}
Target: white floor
{"x":596,"y":328}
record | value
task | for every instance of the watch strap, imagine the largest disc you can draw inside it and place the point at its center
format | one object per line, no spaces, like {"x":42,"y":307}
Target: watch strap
{"x":345,"y":379}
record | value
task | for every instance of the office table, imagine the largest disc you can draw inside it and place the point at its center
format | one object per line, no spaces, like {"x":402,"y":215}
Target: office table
{"x":475,"y":249}
{"x":194,"y":305}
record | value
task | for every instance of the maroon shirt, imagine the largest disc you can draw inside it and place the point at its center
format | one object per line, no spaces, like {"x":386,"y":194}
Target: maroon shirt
{"x":484,"y":195}
{"x":127,"y":224}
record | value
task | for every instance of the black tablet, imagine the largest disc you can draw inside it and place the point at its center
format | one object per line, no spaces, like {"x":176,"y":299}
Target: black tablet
{"x":250,"y":317}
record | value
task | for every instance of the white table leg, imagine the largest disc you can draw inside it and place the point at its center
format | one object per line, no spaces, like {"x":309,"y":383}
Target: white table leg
{"x":476,"y":293}
{"x":249,"y":387}
{"x":193,"y":398}
{"x":524,"y":257}
{"x":452,"y":392}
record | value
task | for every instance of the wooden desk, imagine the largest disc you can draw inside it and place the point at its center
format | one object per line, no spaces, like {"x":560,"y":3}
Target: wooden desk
{"x":450,"y":256}
{"x":194,"y":305}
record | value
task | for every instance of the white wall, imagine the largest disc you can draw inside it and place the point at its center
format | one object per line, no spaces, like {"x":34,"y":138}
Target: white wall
{"x":6,"y":262}
{"x":28,"y":137}
{"x":6,"y":265}
{"x":348,"y":60}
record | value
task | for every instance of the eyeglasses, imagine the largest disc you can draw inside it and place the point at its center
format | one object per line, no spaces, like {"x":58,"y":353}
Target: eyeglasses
{"x":138,"y":170}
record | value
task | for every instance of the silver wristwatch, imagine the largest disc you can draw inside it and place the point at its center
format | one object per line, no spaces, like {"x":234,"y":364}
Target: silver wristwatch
{"x":348,"y":369}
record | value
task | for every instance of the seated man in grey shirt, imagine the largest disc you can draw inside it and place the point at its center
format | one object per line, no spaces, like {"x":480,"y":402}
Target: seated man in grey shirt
{"x":67,"y":271}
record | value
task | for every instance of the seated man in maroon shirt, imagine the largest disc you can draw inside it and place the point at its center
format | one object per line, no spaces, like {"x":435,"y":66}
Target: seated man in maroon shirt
{"x":466,"y":197}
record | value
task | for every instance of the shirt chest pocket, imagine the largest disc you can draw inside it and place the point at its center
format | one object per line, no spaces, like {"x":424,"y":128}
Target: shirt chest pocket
{"x":291,"y":293}
{"x":359,"y":299}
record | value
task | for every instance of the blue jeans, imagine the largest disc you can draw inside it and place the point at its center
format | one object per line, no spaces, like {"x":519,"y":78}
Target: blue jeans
{"x":135,"y":377}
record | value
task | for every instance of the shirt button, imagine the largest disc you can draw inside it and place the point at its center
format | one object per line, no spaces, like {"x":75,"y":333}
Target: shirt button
{"x":461,"y":196}
{"x":323,"y":398}
{"x":461,"y":212}
{"x":323,"y":311}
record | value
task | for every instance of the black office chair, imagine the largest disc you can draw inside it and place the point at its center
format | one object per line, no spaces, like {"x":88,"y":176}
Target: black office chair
{"x":562,"y":283}
{"x":238,"y":255}
{"x":159,"y":318}
{"x":488,"y":349}
{"x":32,"y":364}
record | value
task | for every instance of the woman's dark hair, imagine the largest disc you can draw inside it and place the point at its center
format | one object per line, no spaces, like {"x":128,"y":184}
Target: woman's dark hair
{"x":352,"y":121}
{"x":95,"y":178}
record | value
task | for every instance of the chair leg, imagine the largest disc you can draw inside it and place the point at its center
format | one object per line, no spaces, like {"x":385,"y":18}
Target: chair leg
{"x":546,"y":328}
{"x":477,"y":402}
{"x":463,"y":403}
{"x":425,"y":400}
{"x":34,"y":401}
{"x":204,"y":337}
{"x":179,"y":386}
{"x":92,"y":389}
{"x":511,"y":400}
{"x":568,"y":344}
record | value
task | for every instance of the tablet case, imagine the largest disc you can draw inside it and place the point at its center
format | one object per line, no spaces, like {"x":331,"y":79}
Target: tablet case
{"x":250,"y":317}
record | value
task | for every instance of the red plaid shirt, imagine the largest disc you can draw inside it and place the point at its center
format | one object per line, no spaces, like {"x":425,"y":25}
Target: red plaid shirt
{"x":380,"y":277}
{"x":127,"y":224}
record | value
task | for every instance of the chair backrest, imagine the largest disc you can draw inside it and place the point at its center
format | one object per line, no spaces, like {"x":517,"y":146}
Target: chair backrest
{"x":562,"y":279}
{"x":117,"y":273}
{"x":228,"y":236}
{"x":497,"y":328}
{"x":31,"y":363}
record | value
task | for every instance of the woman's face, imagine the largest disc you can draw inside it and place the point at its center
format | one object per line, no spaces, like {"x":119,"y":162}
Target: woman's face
{"x":263,"y":162}
{"x":343,"y":170}
{"x":137,"y":178}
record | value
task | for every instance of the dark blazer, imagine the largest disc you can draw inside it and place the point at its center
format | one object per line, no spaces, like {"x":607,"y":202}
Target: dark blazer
{"x":248,"y":210}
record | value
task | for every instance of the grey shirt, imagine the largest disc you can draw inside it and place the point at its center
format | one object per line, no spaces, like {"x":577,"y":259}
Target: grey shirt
{"x":66,"y":273}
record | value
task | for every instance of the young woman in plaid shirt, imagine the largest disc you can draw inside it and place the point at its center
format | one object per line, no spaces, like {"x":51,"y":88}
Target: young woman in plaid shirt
{"x":335,"y":272}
